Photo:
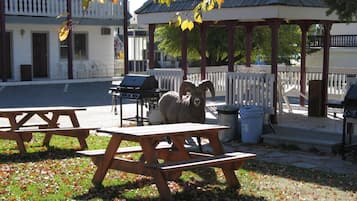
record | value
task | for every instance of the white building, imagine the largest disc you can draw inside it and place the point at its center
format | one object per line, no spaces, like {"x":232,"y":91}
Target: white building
{"x":32,"y":39}
{"x":343,"y":52}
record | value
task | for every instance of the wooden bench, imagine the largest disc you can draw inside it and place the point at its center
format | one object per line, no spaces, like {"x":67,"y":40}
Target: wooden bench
{"x":98,"y":154}
{"x":234,"y":158}
{"x":78,"y":132}
{"x":122,"y":150}
{"x":27,"y":126}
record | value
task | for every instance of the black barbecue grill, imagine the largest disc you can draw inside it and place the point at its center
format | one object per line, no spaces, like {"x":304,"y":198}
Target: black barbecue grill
{"x":349,"y":118}
{"x":140,"y":88}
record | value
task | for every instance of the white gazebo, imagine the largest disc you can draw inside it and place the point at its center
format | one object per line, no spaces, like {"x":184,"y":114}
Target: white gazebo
{"x":248,"y":14}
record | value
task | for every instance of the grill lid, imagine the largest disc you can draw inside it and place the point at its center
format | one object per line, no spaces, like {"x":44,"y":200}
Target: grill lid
{"x":139,"y":82}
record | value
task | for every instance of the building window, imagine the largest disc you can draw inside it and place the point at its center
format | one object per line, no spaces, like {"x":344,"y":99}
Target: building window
{"x":80,"y":47}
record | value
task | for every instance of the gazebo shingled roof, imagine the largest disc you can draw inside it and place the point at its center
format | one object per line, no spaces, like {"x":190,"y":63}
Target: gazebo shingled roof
{"x":242,"y":10}
{"x":181,"y":5}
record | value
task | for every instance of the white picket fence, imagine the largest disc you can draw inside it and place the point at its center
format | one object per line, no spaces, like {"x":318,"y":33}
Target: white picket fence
{"x":240,"y":88}
{"x":254,"y":85}
{"x":217,"y":75}
{"x":250,"y":89}
{"x":168,"y":78}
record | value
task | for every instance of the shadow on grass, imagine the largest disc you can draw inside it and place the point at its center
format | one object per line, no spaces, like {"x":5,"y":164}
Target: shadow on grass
{"x":198,"y":191}
{"x":51,"y":153}
{"x":344,"y":182}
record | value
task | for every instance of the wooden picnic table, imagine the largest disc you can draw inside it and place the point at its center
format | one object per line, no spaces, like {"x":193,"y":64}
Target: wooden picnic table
{"x":20,"y":130}
{"x":175,"y":156}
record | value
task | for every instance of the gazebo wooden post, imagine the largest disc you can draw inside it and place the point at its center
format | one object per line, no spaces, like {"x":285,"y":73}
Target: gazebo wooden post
{"x":3,"y":42}
{"x":125,"y":33}
{"x":274,"y":26}
{"x":230,"y":31}
{"x":151,"y":46}
{"x":325,"y":67}
{"x":203,"y":29}
{"x":184,"y":54}
{"x":69,"y":41}
{"x":304,"y":28}
{"x":248,"y":44}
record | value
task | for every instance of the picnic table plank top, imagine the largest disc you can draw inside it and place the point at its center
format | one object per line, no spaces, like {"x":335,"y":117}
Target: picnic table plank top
{"x":163,"y":129}
{"x":42,"y":109}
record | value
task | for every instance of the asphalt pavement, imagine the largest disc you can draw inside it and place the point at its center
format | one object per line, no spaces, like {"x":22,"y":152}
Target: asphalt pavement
{"x":61,"y":94}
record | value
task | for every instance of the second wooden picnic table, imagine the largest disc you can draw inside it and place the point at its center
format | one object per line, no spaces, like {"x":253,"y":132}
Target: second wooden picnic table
{"x":175,"y":156}
{"x":19,"y":129}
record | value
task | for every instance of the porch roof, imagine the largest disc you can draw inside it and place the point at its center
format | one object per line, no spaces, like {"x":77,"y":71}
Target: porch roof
{"x":240,"y":10}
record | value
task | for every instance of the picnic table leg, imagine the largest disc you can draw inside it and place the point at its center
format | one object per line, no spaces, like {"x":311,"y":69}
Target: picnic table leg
{"x":82,"y":139}
{"x":46,"y":141}
{"x":74,"y":119}
{"x":179,"y":144}
{"x":52,"y":123}
{"x":159,"y":177}
{"x":228,"y":169}
{"x":106,"y":162}
{"x":82,"y":142}
{"x":20,"y":143}
{"x":15,"y":125}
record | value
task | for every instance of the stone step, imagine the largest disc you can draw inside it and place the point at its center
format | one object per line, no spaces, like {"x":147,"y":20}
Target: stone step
{"x":307,"y":133}
{"x":322,"y":145}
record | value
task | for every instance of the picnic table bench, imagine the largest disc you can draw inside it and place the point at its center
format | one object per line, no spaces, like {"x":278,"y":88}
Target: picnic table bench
{"x":164,"y":161}
{"x":20,"y":129}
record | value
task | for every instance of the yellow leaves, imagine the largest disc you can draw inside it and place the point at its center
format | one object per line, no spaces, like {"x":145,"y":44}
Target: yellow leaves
{"x":63,"y":32}
{"x":210,"y":6}
{"x":179,"y":20}
{"x":197,"y":17}
{"x":219,"y":3}
{"x":186,"y":24}
{"x":167,"y":2}
{"x":85,"y":4}
{"x":198,"y":11}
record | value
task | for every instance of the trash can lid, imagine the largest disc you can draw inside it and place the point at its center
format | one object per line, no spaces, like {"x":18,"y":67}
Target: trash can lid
{"x":251,"y":109}
{"x":228,"y":109}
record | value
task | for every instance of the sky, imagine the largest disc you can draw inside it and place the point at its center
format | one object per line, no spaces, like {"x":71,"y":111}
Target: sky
{"x":134,"y":5}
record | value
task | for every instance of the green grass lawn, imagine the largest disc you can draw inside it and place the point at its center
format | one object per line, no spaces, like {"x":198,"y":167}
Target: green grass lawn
{"x":58,"y":173}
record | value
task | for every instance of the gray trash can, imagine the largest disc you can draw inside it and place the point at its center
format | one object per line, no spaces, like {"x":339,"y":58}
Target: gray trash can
{"x":228,"y":116}
{"x":252,"y":119}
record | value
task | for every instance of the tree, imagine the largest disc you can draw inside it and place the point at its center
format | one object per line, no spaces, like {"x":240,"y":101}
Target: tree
{"x":345,"y":9}
{"x":169,"y":39}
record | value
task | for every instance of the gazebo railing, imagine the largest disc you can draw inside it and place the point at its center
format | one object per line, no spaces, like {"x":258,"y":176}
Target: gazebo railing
{"x":168,"y":78}
{"x":217,"y":74}
{"x":171,"y":79}
{"x":250,"y":89}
